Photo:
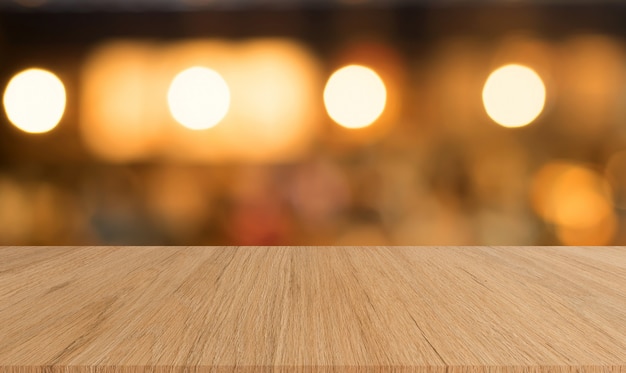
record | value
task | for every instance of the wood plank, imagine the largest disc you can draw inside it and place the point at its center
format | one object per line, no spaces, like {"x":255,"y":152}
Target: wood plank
{"x":310,"y":309}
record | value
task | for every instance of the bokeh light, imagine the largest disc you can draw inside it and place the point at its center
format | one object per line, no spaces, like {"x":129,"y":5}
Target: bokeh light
{"x":391,"y":66}
{"x":276,"y":93}
{"x":120,"y":119}
{"x":514,"y":95}
{"x":34,"y":100}
{"x":577,"y":201}
{"x":274,"y":86}
{"x":413,"y":157}
{"x":183,"y":144}
{"x":355,"y":96}
{"x":198,"y":98}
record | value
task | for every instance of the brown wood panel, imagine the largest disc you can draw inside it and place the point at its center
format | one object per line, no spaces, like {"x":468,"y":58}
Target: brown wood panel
{"x":306,"y":309}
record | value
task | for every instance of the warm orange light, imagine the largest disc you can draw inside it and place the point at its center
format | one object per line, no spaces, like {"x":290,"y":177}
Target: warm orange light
{"x":514,"y":95}
{"x":34,"y":100}
{"x":598,"y":235}
{"x":120,"y":115}
{"x":577,"y":200}
{"x":198,"y":98}
{"x":276,"y":100}
{"x":140,"y":99}
{"x":355,"y":96}
{"x":273,"y":85}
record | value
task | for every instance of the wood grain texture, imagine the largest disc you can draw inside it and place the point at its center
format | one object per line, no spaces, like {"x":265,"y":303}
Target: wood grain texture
{"x":312,"y":309}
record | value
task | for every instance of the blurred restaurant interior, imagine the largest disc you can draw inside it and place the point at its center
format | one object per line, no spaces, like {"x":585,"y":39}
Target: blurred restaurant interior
{"x":312,"y":122}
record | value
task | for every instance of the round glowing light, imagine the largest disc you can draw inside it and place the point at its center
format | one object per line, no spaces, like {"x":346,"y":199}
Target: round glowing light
{"x":198,"y":98}
{"x":34,"y":100}
{"x":514,"y":95}
{"x":577,"y":201}
{"x":355,"y":96}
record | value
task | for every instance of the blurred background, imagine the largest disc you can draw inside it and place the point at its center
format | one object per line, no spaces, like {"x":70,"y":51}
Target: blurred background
{"x":312,"y":122}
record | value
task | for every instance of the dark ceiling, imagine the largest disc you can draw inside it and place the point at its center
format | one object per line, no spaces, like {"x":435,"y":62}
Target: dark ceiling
{"x":191,"y":5}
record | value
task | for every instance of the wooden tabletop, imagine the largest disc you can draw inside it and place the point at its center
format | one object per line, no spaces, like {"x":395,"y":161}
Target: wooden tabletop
{"x":308,"y":309}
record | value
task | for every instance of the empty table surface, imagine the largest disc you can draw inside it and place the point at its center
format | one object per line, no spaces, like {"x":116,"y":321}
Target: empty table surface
{"x":427,"y":309}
